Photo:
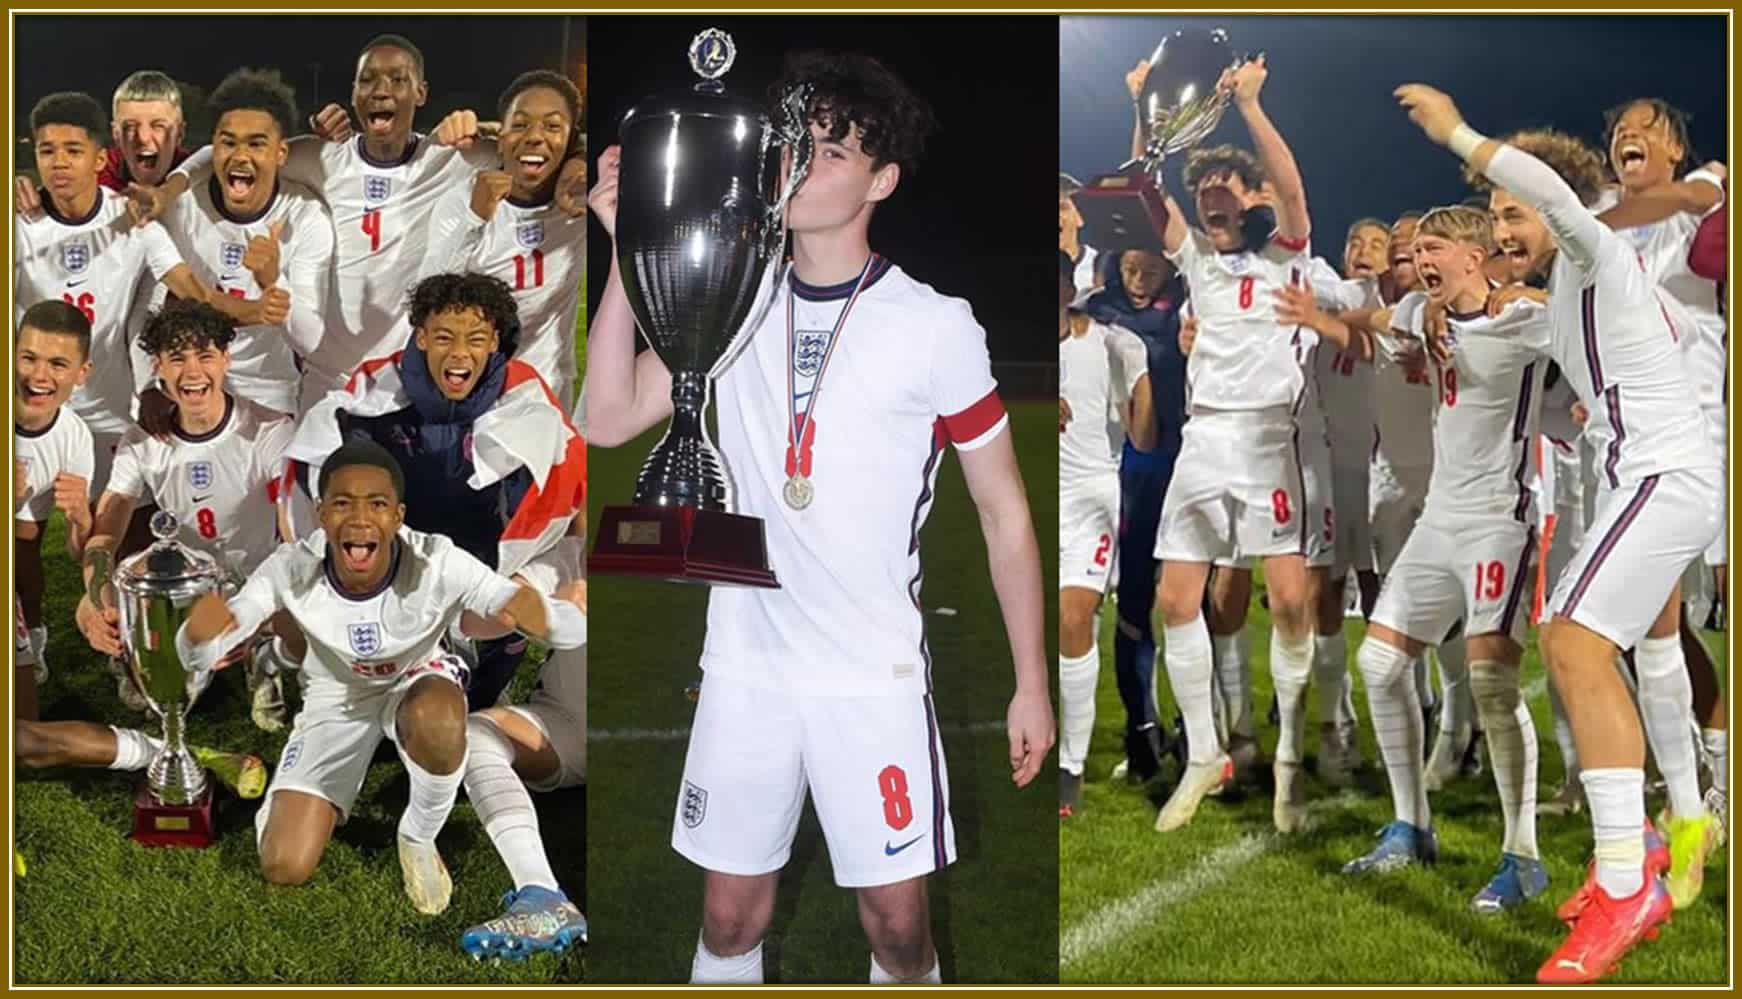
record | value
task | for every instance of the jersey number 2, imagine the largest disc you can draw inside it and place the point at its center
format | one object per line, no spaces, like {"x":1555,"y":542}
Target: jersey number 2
{"x":537,"y":271}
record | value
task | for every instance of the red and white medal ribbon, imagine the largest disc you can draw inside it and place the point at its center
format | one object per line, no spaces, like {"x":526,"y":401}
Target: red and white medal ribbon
{"x":801,"y":432}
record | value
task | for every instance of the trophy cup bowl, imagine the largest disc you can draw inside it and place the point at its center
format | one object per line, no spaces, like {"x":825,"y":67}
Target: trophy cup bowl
{"x":1177,"y":108}
{"x":154,"y":590}
{"x":702,"y":188}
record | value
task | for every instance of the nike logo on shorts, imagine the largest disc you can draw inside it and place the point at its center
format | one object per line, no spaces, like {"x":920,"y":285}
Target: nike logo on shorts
{"x":890,"y":851}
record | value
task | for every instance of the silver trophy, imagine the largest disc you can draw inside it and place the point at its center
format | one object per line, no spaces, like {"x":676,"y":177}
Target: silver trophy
{"x":704,"y":181}
{"x":1180,"y":104}
{"x":1178,"y":107}
{"x":154,"y":591}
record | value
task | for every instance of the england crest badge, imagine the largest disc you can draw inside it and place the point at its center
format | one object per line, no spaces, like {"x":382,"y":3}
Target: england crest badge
{"x":376,"y":189}
{"x":75,"y":256}
{"x":530,"y":234}
{"x":812,"y":345}
{"x":365,"y":638}
{"x":695,"y":805}
{"x":200,"y":475}
{"x":231,"y":255}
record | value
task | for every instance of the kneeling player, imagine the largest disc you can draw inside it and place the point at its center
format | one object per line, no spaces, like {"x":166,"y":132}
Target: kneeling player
{"x":1469,"y":555}
{"x":374,"y":600}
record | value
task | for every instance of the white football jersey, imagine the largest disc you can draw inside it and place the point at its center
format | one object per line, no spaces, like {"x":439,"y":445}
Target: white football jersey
{"x":1487,"y":400}
{"x":540,"y":251}
{"x":1345,"y":383}
{"x":1243,"y":359}
{"x":222,"y":485}
{"x":100,"y":264}
{"x":1094,"y":384}
{"x":1614,"y":336}
{"x":263,"y":364}
{"x":1663,"y":250}
{"x":364,"y":643}
{"x":909,"y":375}
{"x":1403,"y":402}
{"x":62,"y":446}
{"x":1084,"y":274}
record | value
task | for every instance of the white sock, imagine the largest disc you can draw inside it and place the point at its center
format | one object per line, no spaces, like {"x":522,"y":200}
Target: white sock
{"x":38,"y":642}
{"x":1511,"y":749}
{"x":1457,"y":707}
{"x":1187,"y":656}
{"x":133,"y":749}
{"x":1617,"y":799}
{"x":432,"y":798}
{"x":1233,"y":664}
{"x":882,"y":977}
{"x":1291,"y":666}
{"x":1424,"y":688}
{"x":1666,"y":704}
{"x":1717,"y":743}
{"x":1077,"y":704}
{"x":1563,"y":735}
{"x":709,"y":968}
{"x":504,"y":806}
{"x":1396,"y":712}
{"x":1330,"y":673}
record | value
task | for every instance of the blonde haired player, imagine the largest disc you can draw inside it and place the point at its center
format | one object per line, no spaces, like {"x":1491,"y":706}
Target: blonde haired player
{"x":1661,"y":500}
{"x":1468,"y":557}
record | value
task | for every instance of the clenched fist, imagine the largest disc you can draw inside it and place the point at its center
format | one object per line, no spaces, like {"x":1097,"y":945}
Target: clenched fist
{"x":488,"y":191}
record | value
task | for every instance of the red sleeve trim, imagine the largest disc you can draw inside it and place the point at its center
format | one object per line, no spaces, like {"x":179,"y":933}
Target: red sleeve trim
{"x":1291,"y":245}
{"x":970,"y":423}
{"x":367,"y":369}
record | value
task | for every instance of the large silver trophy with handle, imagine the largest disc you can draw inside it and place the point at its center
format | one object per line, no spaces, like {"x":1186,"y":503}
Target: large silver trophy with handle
{"x":154,"y":591}
{"x":704,"y":181}
{"x":1178,"y":106}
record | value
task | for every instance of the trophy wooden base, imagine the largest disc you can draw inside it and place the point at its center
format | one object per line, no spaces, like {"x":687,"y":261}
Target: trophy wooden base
{"x":1122,"y":211}
{"x":158,"y":824}
{"x":683,"y":544}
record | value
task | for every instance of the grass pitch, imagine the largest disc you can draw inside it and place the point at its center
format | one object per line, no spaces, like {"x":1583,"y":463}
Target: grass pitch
{"x":1228,"y":900}
{"x":995,"y":912}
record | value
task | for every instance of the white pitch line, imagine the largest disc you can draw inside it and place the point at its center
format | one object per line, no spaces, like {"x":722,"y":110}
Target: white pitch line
{"x":681,"y":734}
{"x":1108,"y":924}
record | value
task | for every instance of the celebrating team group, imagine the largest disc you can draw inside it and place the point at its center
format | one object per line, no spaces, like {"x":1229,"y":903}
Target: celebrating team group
{"x":344,"y":363}
{"x":1507,"y":409}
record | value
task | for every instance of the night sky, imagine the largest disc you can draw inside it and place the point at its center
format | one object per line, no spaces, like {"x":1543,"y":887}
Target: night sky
{"x":973,"y":222}
{"x":468,"y":61}
{"x":1329,"y":92}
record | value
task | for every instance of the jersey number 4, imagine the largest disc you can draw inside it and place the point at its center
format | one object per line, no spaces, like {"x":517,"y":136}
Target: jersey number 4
{"x":372,"y":229}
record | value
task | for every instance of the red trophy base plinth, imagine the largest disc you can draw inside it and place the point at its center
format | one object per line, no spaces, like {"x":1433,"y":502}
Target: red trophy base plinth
{"x":1122,"y":211}
{"x":158,"y":824}
{"x":684,"y":544}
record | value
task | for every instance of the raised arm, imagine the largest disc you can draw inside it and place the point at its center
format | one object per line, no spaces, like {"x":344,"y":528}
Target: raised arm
{"x":625,"y":394}
{"x":1292,"y":221}
{"x":1576,"y":231}
{"x":1013,"y":557}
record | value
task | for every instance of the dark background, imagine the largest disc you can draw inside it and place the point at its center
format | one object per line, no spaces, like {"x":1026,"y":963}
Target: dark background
{"x":468,"y":61}
{"x":1331,"y":78}
{"x":973,"y":222}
